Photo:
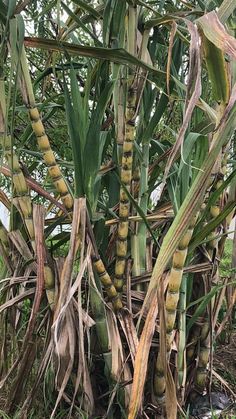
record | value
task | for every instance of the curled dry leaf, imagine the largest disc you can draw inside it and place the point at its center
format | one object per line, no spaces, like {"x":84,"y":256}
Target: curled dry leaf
{"x":217,"y":34}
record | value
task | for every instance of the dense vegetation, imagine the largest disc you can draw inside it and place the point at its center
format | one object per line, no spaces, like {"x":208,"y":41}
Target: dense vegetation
{"x":117,"y":129}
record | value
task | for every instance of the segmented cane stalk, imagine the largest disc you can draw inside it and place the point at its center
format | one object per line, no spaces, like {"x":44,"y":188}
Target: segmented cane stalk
{"x":203,"y":358}
{"x":22,"y":197}
{"x":22,"y":200}
{"x":108,"y":284}
{"x":135,"y":249}
{"x":214,"y":212}
{"x":196,"y":331}
{"x":25,"y":206}
{"x":191,"y":349}
{"x":21,"y":191}
{"x":126,"y":176}
{"x":127,"y":154}
{"x":49,"y":283}
{"x":172,"y":298}
{"x":42,"y":138}
{"x":204,"y":351}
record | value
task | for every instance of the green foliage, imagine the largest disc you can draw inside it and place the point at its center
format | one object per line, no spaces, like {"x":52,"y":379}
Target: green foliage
{"x":226,"y":261}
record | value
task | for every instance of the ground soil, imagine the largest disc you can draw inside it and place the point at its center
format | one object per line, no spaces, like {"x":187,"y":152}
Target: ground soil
{"x":225,"y":366}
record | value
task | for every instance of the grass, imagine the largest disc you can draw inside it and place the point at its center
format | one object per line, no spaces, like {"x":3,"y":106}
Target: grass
{"x":226,"y":261}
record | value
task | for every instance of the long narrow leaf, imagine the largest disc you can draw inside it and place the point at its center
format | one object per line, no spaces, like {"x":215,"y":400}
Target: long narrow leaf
{"x":118,"y":55}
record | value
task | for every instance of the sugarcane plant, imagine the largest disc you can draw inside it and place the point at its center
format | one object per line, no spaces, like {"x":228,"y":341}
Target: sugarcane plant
{"x":117,"y":136}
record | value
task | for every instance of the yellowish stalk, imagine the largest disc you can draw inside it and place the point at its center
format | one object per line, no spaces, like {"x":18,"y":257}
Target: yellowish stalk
{"x":214,"y":212}
{"x":191,"y":349}
{"x":21,"y":190}
{"x":42,"y":138}
{"x":22,"y":198}
{"x":203,"y":358}
{"x":106,"y":281}
{"x":212,"y":245}
{"x":126,"y":176}
{"x":49,"y":282}
{"x":127,"y":155}
{"x":172,"y":298}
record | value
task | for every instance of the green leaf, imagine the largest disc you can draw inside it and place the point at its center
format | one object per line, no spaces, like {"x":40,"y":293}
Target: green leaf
{"x":73,"y":129}
{"x":164,"y":100}
{"x":95,"y":143}
{"x":217,"y":71}
{"x":216,"y":33}
{"x":80,"y":23}
{"x":211,"y":226}
{"x":226,"y":9}
{"x":107,"y":18}
{"x":192,"y":200}
{"x":11,"y":8}
{"x":79,"y":110}
{"x":3,"y":12}
{"x":204,"y":301}
{"x":87,"y":8}
{"x":193,"y":156}
{"x":118,"y":55}
{"x":216,"y":194}
{"x":114,"y":23}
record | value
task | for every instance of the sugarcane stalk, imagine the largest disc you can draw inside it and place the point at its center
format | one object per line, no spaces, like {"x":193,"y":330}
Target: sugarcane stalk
{"x":212,"y":246}
{"x":181,"y":355}
{"x":172,"y":298}
{"x":203,"y":358}
{"x":99,"y":315}
{"x":102,"y":332}
{"x":107,"y":282}
{"x":49,"y":283}
{"x":22,"y":197}
{"x":21,"y":189}
{"x":101,"y":272}
{"x":42,"y":138}
{"x":195,"y":336}
{"x":141,"y":234}
{"x":221,"y":83}
{"x":136,"y":267}
{"x":214,"y":212}
{"x":140,"y":185}
{"x":126,"y":176}
{"x":127,"y":160}
{"x":191,"y":349}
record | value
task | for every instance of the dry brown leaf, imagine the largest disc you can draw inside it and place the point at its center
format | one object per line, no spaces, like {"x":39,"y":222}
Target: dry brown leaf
{"x":217,"y":34}
{"x":141,"y":359}
{"x":116,"y":346}
{"x":65,"y":350}
{"x":192,"y":96}
{"x":224,"y":382}
{"x":17,"y":299}
{"x":66,"y":275}
{"x":128,"y":327}
{"x":22,"y":247}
